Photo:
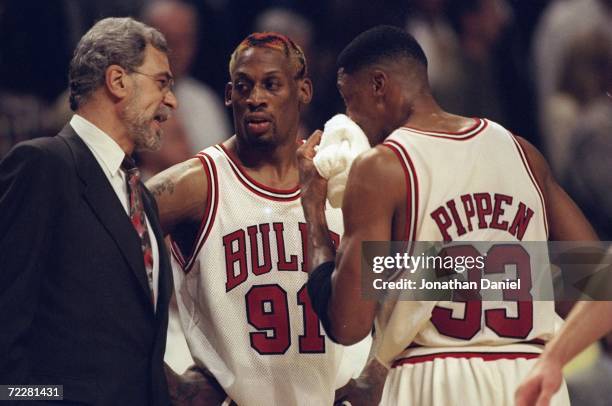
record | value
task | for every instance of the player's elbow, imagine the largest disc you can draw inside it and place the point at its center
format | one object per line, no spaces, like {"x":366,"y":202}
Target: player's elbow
{"x":348,"y":333}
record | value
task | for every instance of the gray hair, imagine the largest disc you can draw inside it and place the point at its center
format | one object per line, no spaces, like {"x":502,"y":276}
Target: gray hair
{"x":111,"y":41}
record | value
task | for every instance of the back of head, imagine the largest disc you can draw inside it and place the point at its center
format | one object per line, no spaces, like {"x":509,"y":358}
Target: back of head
{"x":378,"y":45}
{"x":275,"y":41}
{"x":111,"y":41}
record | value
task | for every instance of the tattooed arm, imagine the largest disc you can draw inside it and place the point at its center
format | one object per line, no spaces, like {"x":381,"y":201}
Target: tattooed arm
{"x":181,"y":194}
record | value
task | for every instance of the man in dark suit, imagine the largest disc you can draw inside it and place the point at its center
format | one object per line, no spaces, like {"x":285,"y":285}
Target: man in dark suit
{"x":84,"y":276}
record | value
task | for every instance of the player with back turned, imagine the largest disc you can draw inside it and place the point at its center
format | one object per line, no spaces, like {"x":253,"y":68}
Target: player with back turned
{"x":432,"y":176}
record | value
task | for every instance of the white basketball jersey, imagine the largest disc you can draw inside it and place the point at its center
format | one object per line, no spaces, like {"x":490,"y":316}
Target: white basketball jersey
{"x":242,"y":297}
{"x":470,"y":186}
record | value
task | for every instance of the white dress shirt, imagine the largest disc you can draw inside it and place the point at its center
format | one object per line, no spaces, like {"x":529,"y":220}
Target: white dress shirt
{"x":110,"y":156}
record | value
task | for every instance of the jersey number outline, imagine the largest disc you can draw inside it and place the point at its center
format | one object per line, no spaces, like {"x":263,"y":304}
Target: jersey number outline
{"x":497,"y":320}
{"x":267,"y":311}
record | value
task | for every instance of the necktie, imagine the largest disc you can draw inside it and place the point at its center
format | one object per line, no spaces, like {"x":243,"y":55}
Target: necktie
{"x":137,"y":216}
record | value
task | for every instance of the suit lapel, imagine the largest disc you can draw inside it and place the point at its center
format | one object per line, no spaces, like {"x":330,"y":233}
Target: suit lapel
{"x":104,"y":202}
{"x":165,"y":275}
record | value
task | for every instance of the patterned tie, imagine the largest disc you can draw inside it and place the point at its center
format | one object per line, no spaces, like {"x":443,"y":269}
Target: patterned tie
{"x":137,"y":215}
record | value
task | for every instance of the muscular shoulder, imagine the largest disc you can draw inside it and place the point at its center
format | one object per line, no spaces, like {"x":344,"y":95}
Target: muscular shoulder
{"x":379,"y":164}
{"x":376,"y":174}
{"x":537,"y":162}
{"x":180,"y":192}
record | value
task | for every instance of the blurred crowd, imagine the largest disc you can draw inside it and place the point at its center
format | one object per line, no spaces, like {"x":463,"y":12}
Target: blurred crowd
{"x":542,"y":68}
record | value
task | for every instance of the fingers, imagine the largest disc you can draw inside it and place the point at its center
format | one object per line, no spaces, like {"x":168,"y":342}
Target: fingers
{"x":549,"y":388}
{"x":307,"y":150}
{"x":527,"y":393}
{"x":315,"y":138}
{"x":544,"y":398}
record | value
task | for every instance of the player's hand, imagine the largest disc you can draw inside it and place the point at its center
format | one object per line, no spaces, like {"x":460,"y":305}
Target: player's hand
{"x":313,"y":186}
{"x":540,"y":385}
{"x":366,"y":390}
{"x":194,"y":387}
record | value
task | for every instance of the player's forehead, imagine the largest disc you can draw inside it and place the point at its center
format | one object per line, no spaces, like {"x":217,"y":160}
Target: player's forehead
{"x":256,"y":61}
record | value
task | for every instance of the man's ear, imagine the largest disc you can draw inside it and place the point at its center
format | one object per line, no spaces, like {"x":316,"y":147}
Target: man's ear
{"x":378,"y":81}
{"x":305,"y":90}
{"x":228,"y":94}
{"x":116,"y":81}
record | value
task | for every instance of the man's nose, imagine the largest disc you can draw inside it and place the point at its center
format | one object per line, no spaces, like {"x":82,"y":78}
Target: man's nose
{"x":256,"y":97}
{"x":170,"y":100}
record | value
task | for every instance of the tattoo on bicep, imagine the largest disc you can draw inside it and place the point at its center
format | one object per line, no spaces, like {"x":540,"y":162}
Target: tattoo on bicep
{"x":166,"y":186}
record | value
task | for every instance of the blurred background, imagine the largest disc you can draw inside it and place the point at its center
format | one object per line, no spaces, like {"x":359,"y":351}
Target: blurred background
{"x":541,"y":68}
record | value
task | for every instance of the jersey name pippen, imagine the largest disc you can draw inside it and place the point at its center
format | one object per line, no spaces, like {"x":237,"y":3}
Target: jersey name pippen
{"x":482,"y":211}
{"x":242,"y":252}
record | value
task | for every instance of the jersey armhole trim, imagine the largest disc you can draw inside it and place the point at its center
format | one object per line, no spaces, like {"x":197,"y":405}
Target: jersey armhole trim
{"x":412,"y":191}
{"x":208,"y":217}
{"x":534,"y":180}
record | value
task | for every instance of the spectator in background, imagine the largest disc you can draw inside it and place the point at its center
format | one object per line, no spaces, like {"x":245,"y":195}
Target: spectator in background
{"x":201,"y":115}
{"x":476,"y":89}
{"x":583,"y":78}
{"x":587,"y":178}
{"x":428,"y":23}
{"x":561,"y":22}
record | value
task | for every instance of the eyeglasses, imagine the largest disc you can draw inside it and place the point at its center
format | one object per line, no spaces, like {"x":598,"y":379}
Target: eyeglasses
{"x":165,"y":83}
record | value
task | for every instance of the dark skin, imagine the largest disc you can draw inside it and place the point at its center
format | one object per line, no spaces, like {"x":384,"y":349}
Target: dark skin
{"x":381,"y":98}
{"x":263,"y":91}
{"x":266,"y":99}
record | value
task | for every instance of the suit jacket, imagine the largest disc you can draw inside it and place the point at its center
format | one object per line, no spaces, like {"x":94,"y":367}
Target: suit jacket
{"x":75,"y":306}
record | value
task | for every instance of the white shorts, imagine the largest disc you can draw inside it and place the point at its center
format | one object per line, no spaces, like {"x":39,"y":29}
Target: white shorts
{"x":447,"y":380}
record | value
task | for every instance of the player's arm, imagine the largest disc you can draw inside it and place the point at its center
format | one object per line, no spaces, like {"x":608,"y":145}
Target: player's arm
{"x":584,"y":325}
{"x":181,"y":193}
{"x":587,"y":322}
{"x":372,"y":194}
{"x":566,"y":222}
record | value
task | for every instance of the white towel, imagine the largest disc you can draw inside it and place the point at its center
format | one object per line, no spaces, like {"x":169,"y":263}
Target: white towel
{"x":341,"y":142}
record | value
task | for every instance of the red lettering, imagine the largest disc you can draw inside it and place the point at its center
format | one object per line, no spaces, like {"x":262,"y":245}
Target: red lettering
{"x":235,"y":256}
{"x":521,"y":221}
{"x":483,"y":208}
{"x":283,"y":263}
{"x":451,"y":206}
{"x":264,"y":230}
{"x":468,"y":207}
{"x":440,"y":216}
{"x":498,"y":211}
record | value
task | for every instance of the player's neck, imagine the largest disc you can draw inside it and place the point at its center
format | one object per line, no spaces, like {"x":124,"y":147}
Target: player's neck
{"x":428,"y":115}
{"x":274,"y":166}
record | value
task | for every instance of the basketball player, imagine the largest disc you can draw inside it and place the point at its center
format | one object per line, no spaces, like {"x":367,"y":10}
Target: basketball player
{"x":239,"y":236}
{"x":432,"y":176}
{"x":587,"y":322}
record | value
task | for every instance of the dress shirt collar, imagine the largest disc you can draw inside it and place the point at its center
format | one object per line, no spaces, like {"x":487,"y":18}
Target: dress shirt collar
{"x":108,"y":152}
